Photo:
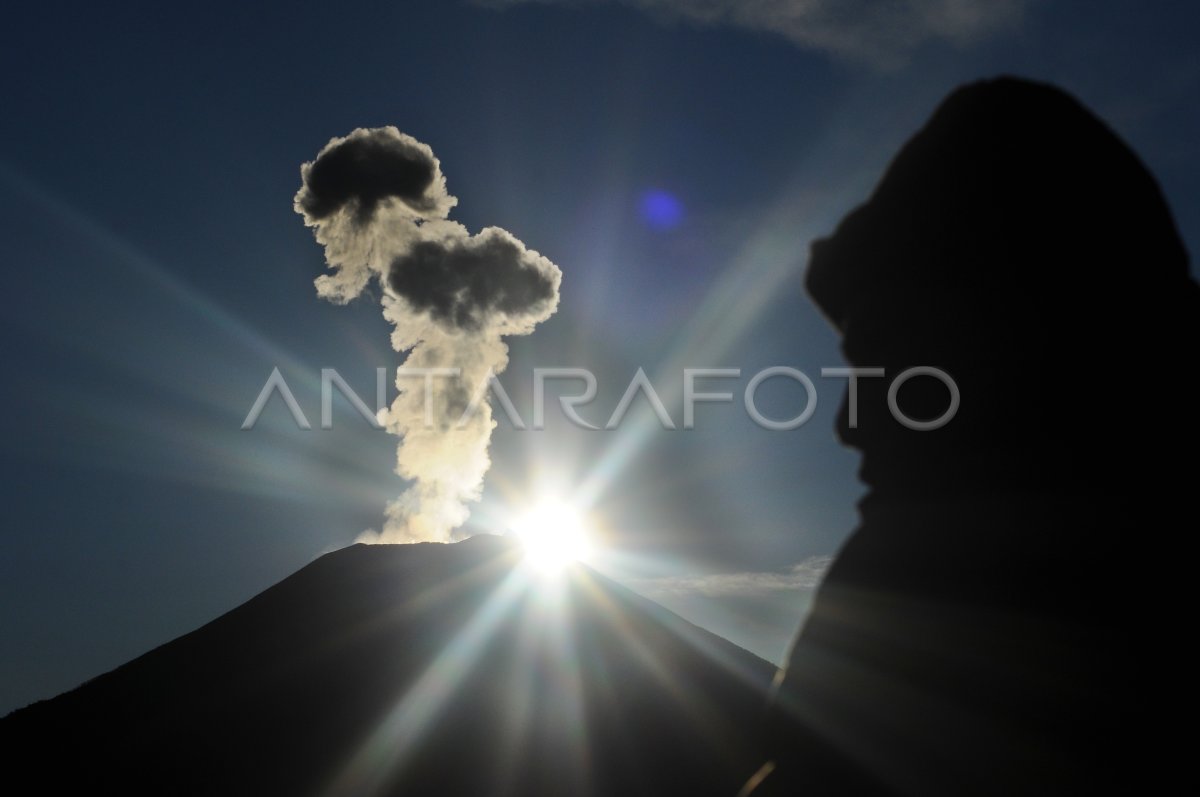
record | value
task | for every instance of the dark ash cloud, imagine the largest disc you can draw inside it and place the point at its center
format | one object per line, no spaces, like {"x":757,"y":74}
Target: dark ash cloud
{"x":472,"y":283}
{"x":371,"y":166}
{"x":376,"y":200}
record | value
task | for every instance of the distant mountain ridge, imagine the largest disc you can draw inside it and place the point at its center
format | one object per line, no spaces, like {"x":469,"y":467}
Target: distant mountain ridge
{"x":412,"y":669}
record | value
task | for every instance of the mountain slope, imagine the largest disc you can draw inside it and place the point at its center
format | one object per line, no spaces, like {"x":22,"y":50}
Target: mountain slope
{"x":415,"y":669}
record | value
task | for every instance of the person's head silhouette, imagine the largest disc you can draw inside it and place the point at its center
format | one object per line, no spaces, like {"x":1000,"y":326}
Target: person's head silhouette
{"x":968,"y":637}
{"x":1018,"y":244}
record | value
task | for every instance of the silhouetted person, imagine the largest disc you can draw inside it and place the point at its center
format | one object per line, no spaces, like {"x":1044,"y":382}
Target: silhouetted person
{"x":1007,"y":618}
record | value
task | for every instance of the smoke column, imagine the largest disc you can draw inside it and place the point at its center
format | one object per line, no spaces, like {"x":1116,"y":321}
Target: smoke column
{"x":377,"y":203}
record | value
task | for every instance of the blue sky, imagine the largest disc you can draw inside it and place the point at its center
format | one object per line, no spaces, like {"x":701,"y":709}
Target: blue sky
{"x":674,"y":168}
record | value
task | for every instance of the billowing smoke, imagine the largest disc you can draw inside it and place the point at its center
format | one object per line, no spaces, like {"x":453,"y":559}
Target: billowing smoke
{"x":377,"y":202}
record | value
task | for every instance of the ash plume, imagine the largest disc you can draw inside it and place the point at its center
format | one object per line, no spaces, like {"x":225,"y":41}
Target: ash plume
{"x":377,"y":202}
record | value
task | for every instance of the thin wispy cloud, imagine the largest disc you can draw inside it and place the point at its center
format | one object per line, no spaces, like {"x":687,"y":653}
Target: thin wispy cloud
{"x":882,"y":32}
{"x":805,"y":575}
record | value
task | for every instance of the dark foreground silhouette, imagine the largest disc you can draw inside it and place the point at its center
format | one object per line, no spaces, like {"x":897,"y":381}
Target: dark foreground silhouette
{"x":418,"y":670}
{"x":1008,"y":617}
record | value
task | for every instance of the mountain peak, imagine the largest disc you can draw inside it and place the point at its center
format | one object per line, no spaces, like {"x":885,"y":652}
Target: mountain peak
{"x":414,"y":669}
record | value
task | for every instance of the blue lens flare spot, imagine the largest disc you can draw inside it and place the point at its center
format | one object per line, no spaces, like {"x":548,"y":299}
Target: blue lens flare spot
{"x":661,"y":210}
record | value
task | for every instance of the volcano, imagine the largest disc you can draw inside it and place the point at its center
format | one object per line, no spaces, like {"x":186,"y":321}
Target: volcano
{"x":426,"y":669}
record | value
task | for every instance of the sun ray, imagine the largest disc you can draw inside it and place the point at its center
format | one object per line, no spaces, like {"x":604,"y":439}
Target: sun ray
{"x":400,"y":732}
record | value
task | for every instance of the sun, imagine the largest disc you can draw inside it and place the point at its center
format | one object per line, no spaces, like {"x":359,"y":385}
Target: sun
{"x":554,"y":535}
